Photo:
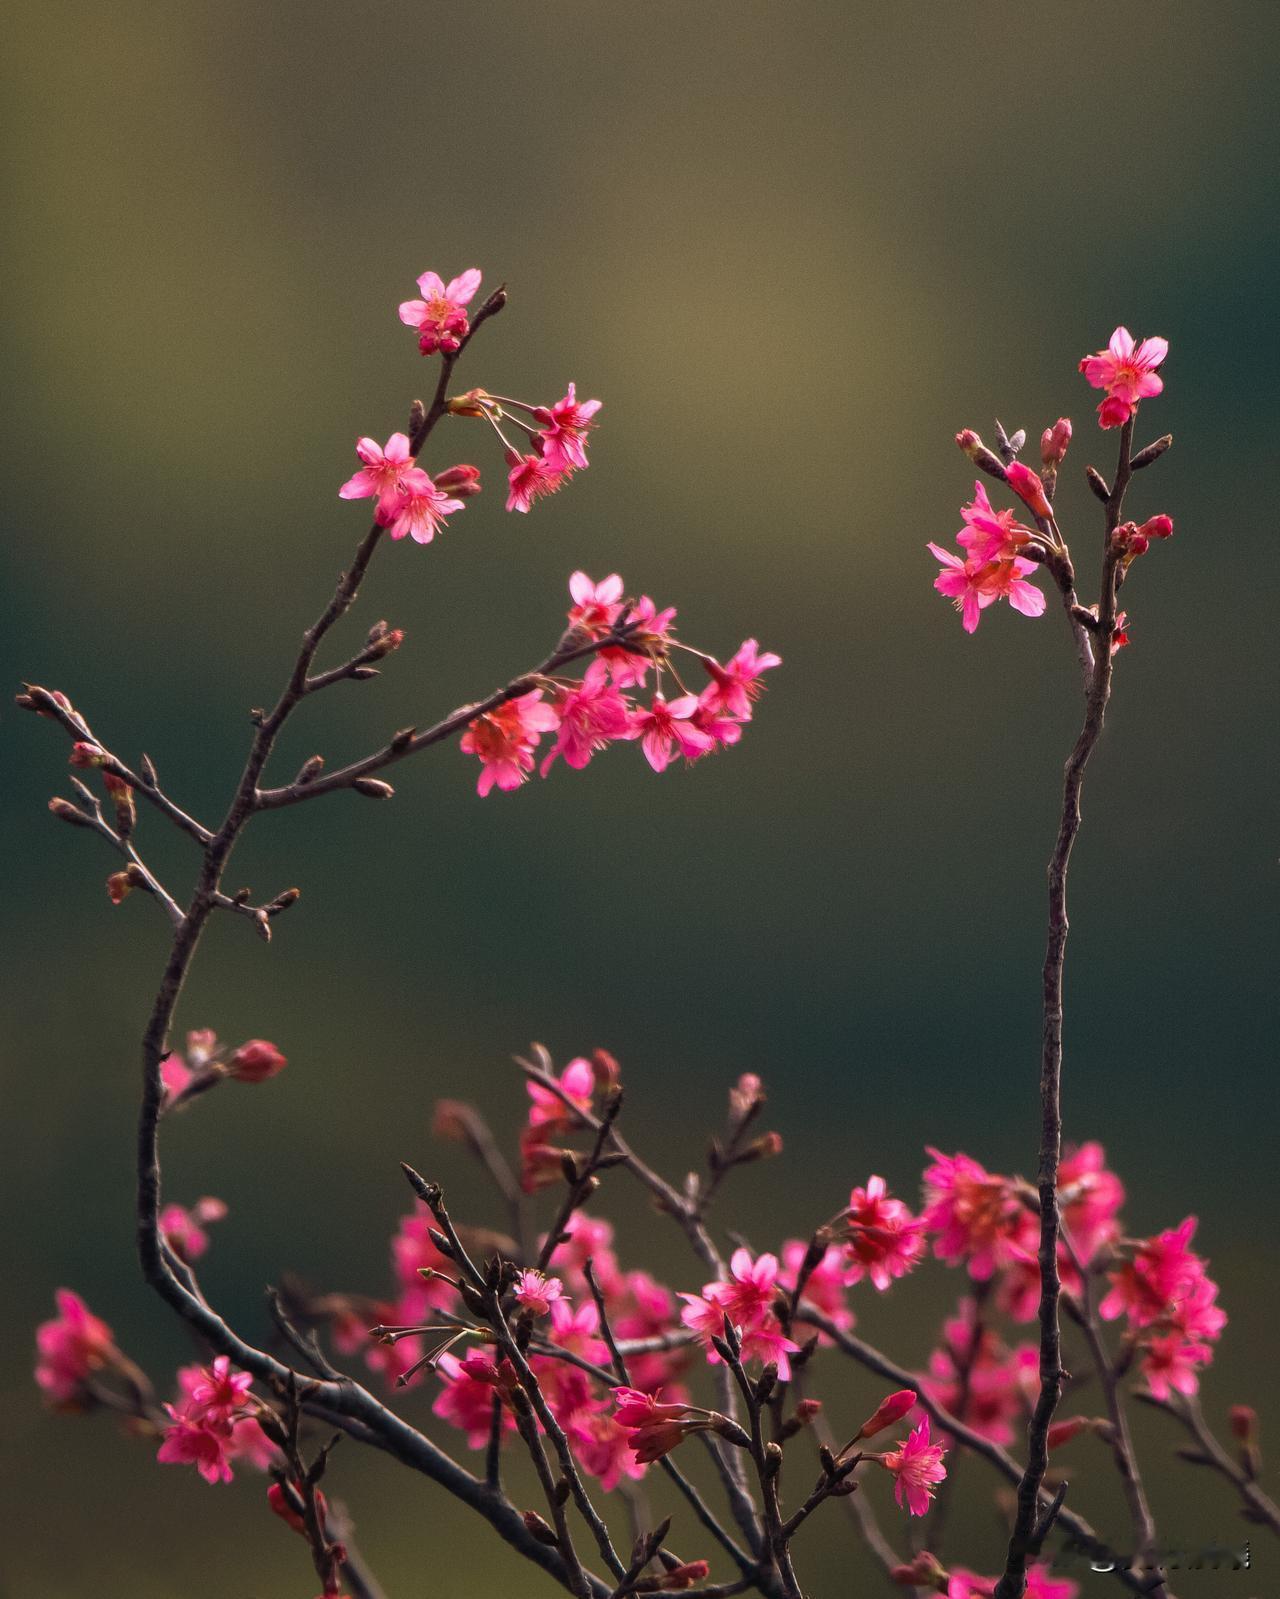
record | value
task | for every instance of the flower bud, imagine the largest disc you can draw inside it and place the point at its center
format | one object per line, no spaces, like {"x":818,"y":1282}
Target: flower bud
{"x":925,"y":1571}
{"x":763,"y":1148}
{"x":83,"y":754}
{"x":1244,"y":1423}
{"x":1062,"y":1432}
{"x":372,"y":788}
{"x":535,"y":1525}
{"x":969,"y":442}
{"x":255,"y":1061}
{"x":65,"y":811}
{"x":202,"y":1042}
{"x":475,"y":402}
{"x":605,"y":1069}
{"x":746,"y":1096}
{"x":1157,"y":527}
{"x":122,"y":795}
{"x":461,"y":481}
{"x":683,"y":1575}
{"x":1114,"y":412}
{"x":385,"y":642}
{"x":1027,"y":485}
{"x":890,"y":1411}
{"x":120,"y":885}
{"x":1054,"y":442}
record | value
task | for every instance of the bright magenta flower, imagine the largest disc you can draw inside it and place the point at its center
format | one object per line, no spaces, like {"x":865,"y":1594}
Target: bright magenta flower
{"x":825,"y":1285}
{"x":466,"y":1400}
{"x":193,"y":1443}
{"x":1128,"y":374}
{"x":591,"y":714}
{"x":960,"y":581}
{"x":918,"y":1468}
{"x":440,"y":316}
{"x":215,"y":1394}
{"x":668,"y":726}
{"x":734,"y":685}
{"x":884,"y":1239}
{"x":383,"y":473}
{"x":1164,"y":1270}
{"x":1027,"y":486}
{"x":70,"y":1348}
{"x":537,"y":1293}
{"x":564,"y":430}
{"x":506,"y":738}
{"x":418,"y":508}
{"x":531,"y":478}
{"x":976,"y":1215}
{"x":578,"y":1081}
{"x":654,"y":1429}
{"x":988,"y":534}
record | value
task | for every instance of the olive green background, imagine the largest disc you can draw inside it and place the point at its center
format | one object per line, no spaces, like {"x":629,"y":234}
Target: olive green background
{"x":793,"y":248}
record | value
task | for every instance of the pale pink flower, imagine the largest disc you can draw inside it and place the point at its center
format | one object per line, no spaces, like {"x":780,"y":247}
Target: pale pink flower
{"x":440,"y":316}
{"x":383,"y":474}
{"x":765,"y":1341}
{"x":577,"y":1330}
{"x":668,"y":726}
{"x":564,"y":430}
{"x":596,"y":606}
{"x":917,"y":1467}
{"x":988,"y":534}
{"x":734,"y":685}
{"x":417,"y":509}
{"x":591,"y":714}
{"x":505,"y":739}
{"x":1128,"y":374}
{"x":537,"y":1293}
{"x":884,"y":1239}
{"x":531,"y":478}
{"x":70,"y":1348}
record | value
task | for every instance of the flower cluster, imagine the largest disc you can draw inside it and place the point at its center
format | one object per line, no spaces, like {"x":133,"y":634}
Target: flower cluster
{"x":208,"y":1062}
{"x":408,"y":501}
{"x":587,"y":713}
{"x":1127,"y":371}
{"x":745,"y":1299}
{"x":991,"y":568}
{"x":1168,"y":1298}
{"x":215,"y":1422}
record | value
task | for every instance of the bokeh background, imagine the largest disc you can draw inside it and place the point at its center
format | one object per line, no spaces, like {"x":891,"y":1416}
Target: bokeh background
{"x":793,"y":249}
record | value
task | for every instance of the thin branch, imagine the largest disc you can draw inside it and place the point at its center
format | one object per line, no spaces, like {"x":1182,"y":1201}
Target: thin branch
{"x":1259,"y":1507}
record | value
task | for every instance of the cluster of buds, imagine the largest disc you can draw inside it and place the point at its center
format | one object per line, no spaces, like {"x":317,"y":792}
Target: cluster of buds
{"x":208,"y":1062}
{"x":554,"y":443}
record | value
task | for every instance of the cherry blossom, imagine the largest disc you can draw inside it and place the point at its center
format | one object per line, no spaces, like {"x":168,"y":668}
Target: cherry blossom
{"x":977,"y":1217}
{"x":71,"y":1348}
{"x":884,"y":1240}
{"x":917,"y":1467}
{"x":988,"y":534}
{"x":737,"y":683}
{"x":591,"y":715}
{"x":183,"y":1229}
{"x":418,"y":509}
{"x":667,"y":727}
{"x":532,"y":477}
{"x":383,"y":474}
{"x":505,"y":739}
{"x":596,"y":606}
{"x":564,"y":430}
{"x":536,"y":1293}
{"x":255,"y":1061}
{"x":440,"y":316}
{"x":1127,"y":373}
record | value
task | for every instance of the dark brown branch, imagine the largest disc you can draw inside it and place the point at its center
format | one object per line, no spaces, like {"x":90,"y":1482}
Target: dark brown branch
{"x":1052,"y":1376}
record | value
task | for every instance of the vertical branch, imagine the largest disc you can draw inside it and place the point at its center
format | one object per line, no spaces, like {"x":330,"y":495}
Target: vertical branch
{"x":1052,"y":1376}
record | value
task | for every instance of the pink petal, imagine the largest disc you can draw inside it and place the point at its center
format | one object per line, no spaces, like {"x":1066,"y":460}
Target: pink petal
{"x":946,"y":557}
{"x":1027,"y":598}
{"x":412,"y":312}
{"x":1152,"y":351}
{"x":460,"y":289}
{"x":397,"y":448}
{"x":430,"y":284}
{"x":1120,"y":344}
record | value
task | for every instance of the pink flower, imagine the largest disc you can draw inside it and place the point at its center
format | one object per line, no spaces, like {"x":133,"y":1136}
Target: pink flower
{"x":537,"y":1293}
{"x":976,"y":1215}
{"x":1054,"y":442}
{"x":960,"y":581}
{"x":466,"y":1400}
{"x":988,"y":534}
{"x":604,"y":1448}
{"x":667,"y":726}
{"x":215,"y":1394}
{"x":183,"y":1230}
{"x":653,"y":1429}
{"x":1090,"y":1197}
{"x":1169,"y":1363}
{"x":505,"y":740}
{"x":440,"y":316}
{"x":193,"y":1443}
{"x":648,"y":641}
{"x":884,"y":1239}
{"x":1164,"y":1269}
{"x":70,"y":1348}
{"x":751,"y":1287}
{"x":564,"y":430}
{"x":418,"y":508}
{"x":995,"y":1393}
{"x":1128,"y":374}
{"x":577,"y":1080}
{"x":734,"y":685}
{"x":255,"y":1061}
{"x":591,"y":715}
{"x":918,"y":1467}
{"x":383,"y":474}
{"x":531,"y":478}
{"x":1027,"y":486}
{"x":175,"y":1075}
{"x":825,"y":1284}
{"x":596,"y":606}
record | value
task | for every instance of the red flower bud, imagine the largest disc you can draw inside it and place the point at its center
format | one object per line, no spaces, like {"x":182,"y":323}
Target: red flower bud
{"x":461,"y":481}
{"x":1054,"y":442}
{"x":255,"y":1061}
{"x":83,"y":754}
{"x":1244,"y":1423}
{"x":891,"y":1410}
{"x":1062,"y":1432}
{"x":969,"y":442}
{"x":1027,"y":486}
{"x":1157,"y":527}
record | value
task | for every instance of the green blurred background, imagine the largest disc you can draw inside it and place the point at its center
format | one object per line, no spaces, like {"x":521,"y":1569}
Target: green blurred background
{"x":793,"y":249}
